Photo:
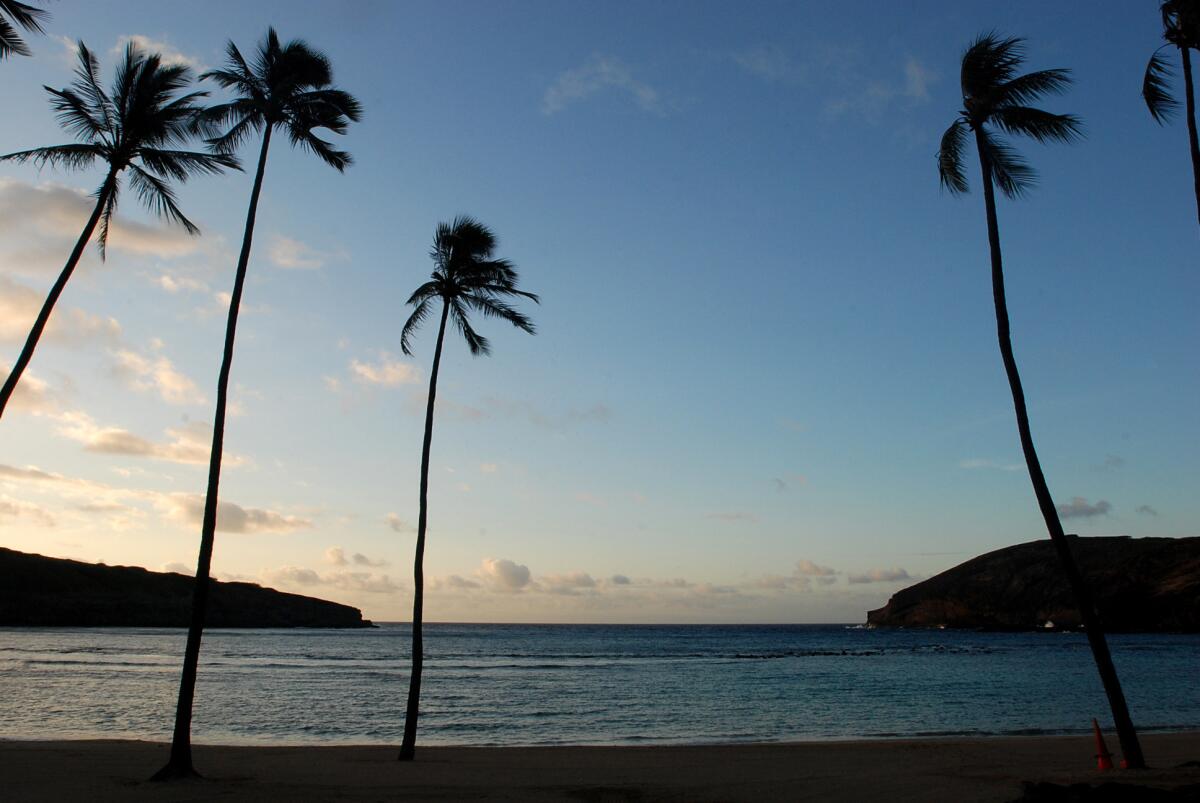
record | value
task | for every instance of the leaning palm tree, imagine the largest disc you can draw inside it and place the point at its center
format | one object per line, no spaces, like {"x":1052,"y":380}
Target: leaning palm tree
{"x":136,"y":126}
{"x":1181,"y":29}
{"x":995,"y":97}
{"x":13,"y":15}
{"x":288,"y":87}
{"x":465,"y":278}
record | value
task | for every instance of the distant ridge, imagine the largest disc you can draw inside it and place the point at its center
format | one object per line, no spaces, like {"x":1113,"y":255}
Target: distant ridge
{"x":1139,"y":585}
{"x":51,"y":592}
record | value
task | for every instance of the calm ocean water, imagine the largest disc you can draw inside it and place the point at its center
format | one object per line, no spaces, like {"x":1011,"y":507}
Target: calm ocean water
{"x":550,"y":684}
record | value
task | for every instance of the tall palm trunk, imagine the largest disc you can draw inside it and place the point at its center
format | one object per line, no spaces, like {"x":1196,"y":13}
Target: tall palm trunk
{"x":39,"y":325}
{"x":180,"y":762}
{"x":1193,"y":140}
{"x":408,"y":746}
{"x":1126,"y":733}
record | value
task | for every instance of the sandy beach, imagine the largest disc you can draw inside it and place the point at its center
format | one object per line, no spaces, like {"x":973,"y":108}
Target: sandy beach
{"x":984,"y":769}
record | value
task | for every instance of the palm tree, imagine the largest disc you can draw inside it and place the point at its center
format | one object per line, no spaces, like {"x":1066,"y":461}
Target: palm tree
{"x":288,"y":87}
{"x":14,"y":14}
{"x":135,"y":127}
{"x":1181,"y":29}
{"x":994,"y":95}
{"x":465,"y":278}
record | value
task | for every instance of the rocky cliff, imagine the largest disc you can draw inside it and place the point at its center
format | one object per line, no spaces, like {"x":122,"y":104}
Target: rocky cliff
{"x":40,"y":591}
{"x":1139,"y":585}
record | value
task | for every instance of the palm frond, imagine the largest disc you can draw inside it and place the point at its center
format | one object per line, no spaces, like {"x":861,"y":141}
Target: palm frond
{"x":74,"y":114}
{"x":339,"y":160}
{"x":1027,"y":88}
{"x":951,"y":171}
{"x":1012,"y":175}
{"x":87,"y":81}
{"x":989,"y":62}
{"x":1155,"y":90}
{"x":424,"y":292}
{"x":73,"y":156}
{"x":182,"y":165}
{"x":159,"y":197}
{"x":110,"y":208}
{"x":1040,"y":125}
{"x":23,"y":15}
{"x":413,"y":323}
{"x":477,"y":344}
{"x":491,"y":307}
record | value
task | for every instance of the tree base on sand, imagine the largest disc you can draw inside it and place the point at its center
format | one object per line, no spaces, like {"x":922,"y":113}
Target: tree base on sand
{"x":175,"y":772}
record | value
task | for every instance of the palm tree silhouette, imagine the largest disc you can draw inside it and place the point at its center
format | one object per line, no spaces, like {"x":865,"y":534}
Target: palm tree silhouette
{"x":14,"y":14}
{"x":994,"y":95}
{"x":465,"y":278}
{"x":135,"y":127}
{"x":287,"y":87}
{"x":1181,"y":29}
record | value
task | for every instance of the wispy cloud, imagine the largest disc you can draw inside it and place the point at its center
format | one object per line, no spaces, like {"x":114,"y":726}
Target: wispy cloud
{"x":772,"y":63}
{"x":170,"y":54}
{"x":338,"y":557}
{"x":879,"y":576}
{"x":233,"y":518}
{"x":1146,"y":510}
{"x":973,"y":463}
{"x":733,"y":515}
{"x":70,"y":326}
{"x":188,"y":444}
{"x":387,"y":371}
{"x":294,"y":254}
{"x":156,"y":373}
{"x":1080,"y":508}
{"x":598,"y":74}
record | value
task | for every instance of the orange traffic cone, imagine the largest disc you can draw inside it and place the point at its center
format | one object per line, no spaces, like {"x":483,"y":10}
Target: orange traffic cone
{"x":1103,"y":757}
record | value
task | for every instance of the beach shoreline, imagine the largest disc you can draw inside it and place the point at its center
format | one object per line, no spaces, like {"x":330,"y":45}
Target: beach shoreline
{"x":970,"y":768}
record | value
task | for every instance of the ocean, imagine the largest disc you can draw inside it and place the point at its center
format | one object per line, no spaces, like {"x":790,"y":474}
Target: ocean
{"x":586,"y":684}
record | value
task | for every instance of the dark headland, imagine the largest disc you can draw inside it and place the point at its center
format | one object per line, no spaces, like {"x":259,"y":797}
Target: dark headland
{"x":52,"y":592}
{"x":1144,"y":585}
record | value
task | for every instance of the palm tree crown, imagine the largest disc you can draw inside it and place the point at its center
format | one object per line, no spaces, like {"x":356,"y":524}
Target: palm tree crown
{"x":466,"y":278}
{"x":993,"y":94}
{"x":1181,"y":29}
{"x":13,"y":14}
{"x":287,"y":85}
{"x":138,"y":125}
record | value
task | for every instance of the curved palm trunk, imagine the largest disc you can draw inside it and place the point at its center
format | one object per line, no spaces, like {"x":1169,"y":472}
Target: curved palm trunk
{"x":408,"y":746}
{"x":39,"y":324}
{"x":1193,"y":140}
{"x":1108,"y":673}
{"x":180,"y":763}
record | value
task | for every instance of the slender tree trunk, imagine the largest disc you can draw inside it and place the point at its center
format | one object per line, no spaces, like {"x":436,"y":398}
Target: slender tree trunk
{"x":39,"y":325}
{"x":1126,"y":733}
{"x":408,"y":746}
{"x":1193,"y":140}
{"x":180,"y":763}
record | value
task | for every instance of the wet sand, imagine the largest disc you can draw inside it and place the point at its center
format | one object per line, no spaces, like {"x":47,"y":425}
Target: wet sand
{"x":982,"y":769}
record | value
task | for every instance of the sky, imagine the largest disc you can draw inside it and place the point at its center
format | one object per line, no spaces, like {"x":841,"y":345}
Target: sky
{"x":765,"y":385}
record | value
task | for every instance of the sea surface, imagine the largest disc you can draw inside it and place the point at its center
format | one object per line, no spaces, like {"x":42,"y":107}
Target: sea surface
{"x":598,"y":684}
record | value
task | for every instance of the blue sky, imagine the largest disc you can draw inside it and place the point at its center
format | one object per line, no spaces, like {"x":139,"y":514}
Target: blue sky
{"x":766,"y":363}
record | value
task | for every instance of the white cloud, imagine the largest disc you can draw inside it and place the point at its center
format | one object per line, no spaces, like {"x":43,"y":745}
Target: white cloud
{"x":1080,"y":508}
{"x":233,"y":518}
{"x":40,"y":223}
{"x":569,"y":583}
{"x":188,"y":444}
{"x":771,"y":62}
{"x":388,"y":371}
{"x":597,"y":74}
{"x":488,"y":468}
{"x":337,"y":556}
{"x":880,"y":576}
{"x":156,"y":373}
{"x":293,"y":254}
{"x":503,"y":575}
{"x":13,"y":508}
{"x":20,"y":305}
{"x":398,"y":524}
{"x":170,"y":55}
{"x":32,"y":394}
{"x":178,"y":284}
{"x":298,"y":576}
{"x":809,"y":569}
